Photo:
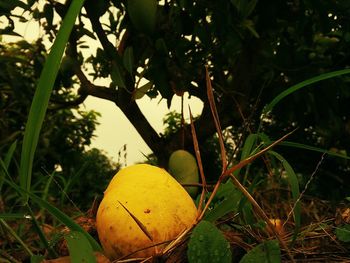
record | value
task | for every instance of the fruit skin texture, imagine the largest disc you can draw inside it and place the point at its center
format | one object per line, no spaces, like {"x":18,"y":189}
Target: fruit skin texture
{"x":155,"y":198}
{"x":183,"y":166}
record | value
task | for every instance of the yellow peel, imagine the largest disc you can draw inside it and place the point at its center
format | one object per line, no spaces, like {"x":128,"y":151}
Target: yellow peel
{"x":161,"y":205}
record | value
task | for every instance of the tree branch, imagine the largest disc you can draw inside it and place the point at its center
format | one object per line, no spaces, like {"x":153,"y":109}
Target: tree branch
{"x":161,"y":147}
{"x":122,"y":98}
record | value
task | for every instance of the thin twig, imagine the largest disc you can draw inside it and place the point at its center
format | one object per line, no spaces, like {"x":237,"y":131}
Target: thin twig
{"x":182,"y":123}
{"x":262,"y":214}
{"x":305,"y":188}
{"x":200,"y":165}
{"x":216,"y":118}
{"x":253,"y":157}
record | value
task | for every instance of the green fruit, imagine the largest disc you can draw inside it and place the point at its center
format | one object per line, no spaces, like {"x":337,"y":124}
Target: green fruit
{"x":183,"y":167}
{"x":143,"y":14}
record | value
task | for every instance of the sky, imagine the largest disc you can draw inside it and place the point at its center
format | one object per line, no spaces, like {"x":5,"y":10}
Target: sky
{"x":114,"y":130}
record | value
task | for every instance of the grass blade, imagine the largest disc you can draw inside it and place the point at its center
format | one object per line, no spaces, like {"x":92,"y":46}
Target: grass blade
{"x":80,"y":249}
{"x":42,"y":95}
{"x":58,"y":214}
{"x":12,"y":216}
{"x":303,"y":84}
{"x":9,"y":154}
{"x":40,"y":232}
{"x":247,"y":150}
{"x":16,"y":237}
{"x":6,"y":163}
{"x":294,"y":185}
{"x":312,"y":148}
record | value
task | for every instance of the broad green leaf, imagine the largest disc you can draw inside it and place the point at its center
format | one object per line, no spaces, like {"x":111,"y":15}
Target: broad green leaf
{"x":208,"y":244}
{"x":343,"y":233}
{"x":141,"y":91}
{"x":300,"y":85}
{"x":267,"y":252}
{"x":117,"y":76}
{"x":143,"y":14}
{"x":80,"y":249}
{"x":42,"y":95}
{"x":128,"y":59}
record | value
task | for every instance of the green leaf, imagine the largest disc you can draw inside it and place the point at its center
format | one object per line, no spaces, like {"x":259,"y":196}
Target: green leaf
{"x":249,"y":24}
{"x":8,"y":5}
{"x":143,"y":14}
{"x":267,"y":252}
{"x":36,"y":259}
{"x":161,"y":47}
{"x":48,"y":12}
{"x":343,"y":233}
{"x":42,"y":95}
{"x":247,"y":149}
{"x":245,"y":8}
{"x":80,"y":249}
{"x":117,"y":76}
{"x":300,"y":85}
{"x":231,"y":198}
{"x":141,"y":91}
{"x":250,"y":6}
{"x":128,"y":59}
{"x":208,"y":244}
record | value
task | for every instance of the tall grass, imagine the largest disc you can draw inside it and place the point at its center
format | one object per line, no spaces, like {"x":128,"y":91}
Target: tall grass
{"x":42,"y":96}
{"x":31,"y":136}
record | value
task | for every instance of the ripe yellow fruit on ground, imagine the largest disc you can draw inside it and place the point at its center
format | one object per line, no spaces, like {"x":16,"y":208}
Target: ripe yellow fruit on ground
{"x":158,"y":202}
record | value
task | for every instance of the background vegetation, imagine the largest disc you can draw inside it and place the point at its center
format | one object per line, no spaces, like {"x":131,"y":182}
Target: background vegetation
{"x":255,"y":50}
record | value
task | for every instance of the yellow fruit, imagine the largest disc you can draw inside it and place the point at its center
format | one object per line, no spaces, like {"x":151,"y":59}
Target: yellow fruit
{"x":183,"y":166}
{"x":157,"y":200}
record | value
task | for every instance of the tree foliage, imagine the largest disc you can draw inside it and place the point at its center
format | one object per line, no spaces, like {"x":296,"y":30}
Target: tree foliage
{"x":254,"y":50}
{"x":66,"y":131}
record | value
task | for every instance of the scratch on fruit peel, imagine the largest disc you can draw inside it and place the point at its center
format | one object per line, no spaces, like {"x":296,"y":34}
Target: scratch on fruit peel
{"x":138,"y":222}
